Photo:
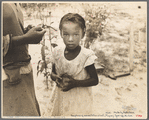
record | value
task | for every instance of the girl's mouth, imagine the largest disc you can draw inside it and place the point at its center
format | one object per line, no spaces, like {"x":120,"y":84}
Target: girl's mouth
{"x":70,"y":44}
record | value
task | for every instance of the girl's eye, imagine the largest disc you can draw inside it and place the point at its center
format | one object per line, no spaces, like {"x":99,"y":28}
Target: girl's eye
{"x":76,"y":35}
{"x":66,"y":35}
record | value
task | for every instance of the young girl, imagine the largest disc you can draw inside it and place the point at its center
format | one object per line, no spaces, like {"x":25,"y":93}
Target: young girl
{"x":73,"y":70}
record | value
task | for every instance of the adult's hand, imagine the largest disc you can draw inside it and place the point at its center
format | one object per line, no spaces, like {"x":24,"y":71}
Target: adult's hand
{"x":34,"y":35}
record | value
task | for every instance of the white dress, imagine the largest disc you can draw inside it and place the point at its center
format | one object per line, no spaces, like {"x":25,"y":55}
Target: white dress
{"x":77,"y":101}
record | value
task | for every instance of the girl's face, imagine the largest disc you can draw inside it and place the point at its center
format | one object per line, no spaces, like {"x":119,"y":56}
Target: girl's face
{"x":71,"y":34}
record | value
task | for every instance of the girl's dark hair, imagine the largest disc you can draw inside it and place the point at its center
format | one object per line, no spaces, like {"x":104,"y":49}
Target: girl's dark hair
{"x":75,"y":18}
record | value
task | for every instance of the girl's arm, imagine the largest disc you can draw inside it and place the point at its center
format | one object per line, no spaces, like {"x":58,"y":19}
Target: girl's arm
{"x":92,"y":81}
{"x":54,"y":76}
{"x":53,"y":73}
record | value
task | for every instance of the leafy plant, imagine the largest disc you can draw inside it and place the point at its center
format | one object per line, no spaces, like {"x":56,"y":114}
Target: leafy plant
{"x":42,"y":66}
{"x":95,"y":17}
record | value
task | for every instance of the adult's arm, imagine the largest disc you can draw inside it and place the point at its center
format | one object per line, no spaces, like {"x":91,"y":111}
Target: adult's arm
{"x":33,"y":36}
{"x":11,"y":25}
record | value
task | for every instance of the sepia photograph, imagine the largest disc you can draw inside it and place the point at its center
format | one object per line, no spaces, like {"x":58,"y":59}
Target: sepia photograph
{"x":64,"y":59}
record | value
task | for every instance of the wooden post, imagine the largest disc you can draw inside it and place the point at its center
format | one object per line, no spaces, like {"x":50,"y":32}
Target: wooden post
{"x":131,"y":49}
{"x":142,"y":36}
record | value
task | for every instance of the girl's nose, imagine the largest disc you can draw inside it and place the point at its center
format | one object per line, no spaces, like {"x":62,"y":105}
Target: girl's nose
{"x":70,"y":38}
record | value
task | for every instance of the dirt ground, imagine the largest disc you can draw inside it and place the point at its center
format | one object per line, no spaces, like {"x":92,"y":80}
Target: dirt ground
{"x":125,"y":97}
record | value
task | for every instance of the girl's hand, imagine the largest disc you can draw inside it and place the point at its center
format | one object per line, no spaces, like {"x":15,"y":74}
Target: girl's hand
{"x":68,"y":83}
{"x":54,"y":77}
{"x":57,"y":79}
{"x":59,"y":83}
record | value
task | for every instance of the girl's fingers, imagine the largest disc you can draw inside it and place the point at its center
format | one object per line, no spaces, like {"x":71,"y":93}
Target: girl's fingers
{"x":66,"y":80}
{"x":64,"y":89}
{"x":59,"y":77}
{"x":56,"y":76}
{"x":58,"y":84}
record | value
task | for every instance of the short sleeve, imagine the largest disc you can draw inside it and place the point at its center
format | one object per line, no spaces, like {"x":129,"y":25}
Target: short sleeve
{"x":6,"y":44}
{"x":57,"y":53}
{"x":90,"y":59}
